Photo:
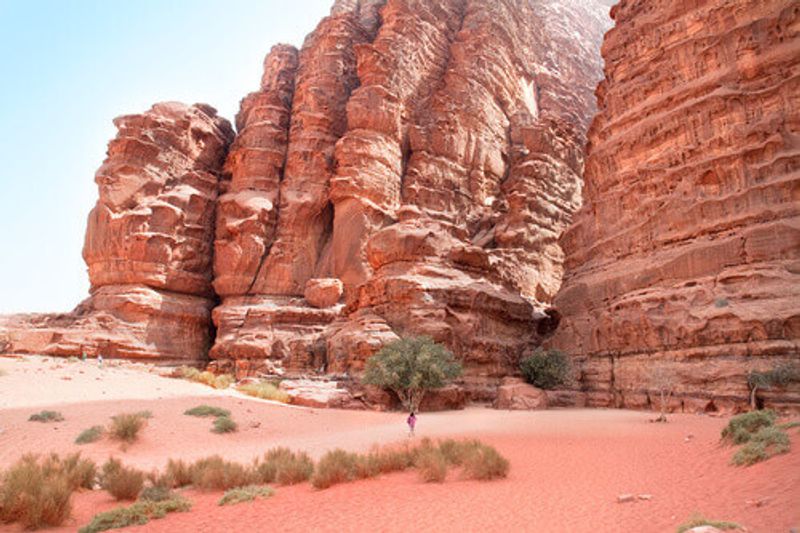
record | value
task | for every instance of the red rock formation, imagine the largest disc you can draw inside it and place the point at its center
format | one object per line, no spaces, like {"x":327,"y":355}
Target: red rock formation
{"x":148,"y":244}
{"x":686,"y":253}
{"x":426,"y":154}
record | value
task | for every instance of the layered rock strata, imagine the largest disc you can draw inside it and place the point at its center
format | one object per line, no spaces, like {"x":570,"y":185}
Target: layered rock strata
{"x":424,"y":154}
{"x":686,"y":253}
{"x":148,"y":245}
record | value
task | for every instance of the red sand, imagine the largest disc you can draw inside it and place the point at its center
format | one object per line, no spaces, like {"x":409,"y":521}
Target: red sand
{"x":567,"y":466}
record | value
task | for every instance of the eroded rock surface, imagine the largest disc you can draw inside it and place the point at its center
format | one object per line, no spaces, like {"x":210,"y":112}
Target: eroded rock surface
{"x":148,"y":244}
{"x":424,"y":154}
{"x":686,"y":253}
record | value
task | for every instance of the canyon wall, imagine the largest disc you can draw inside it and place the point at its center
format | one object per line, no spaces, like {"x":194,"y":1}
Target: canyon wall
{"x":685,"y":256}
{"x":407,"y":171}
{"x":148,"y":245}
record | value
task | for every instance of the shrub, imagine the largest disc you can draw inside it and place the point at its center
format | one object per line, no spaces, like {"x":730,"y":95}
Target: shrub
{"x":126,"y":426}
{"x":122,"y":482}
{"x":245,"y":494}
{"x":92,"y":434}
{"x":156,"y":493}
{"x":779,"y":376}
{"x":207,"y":410}
{"x":222,"y":381}
{"x":546,"y":369}
{"x":485,"y":463}
{"x":411,"y":367}
{"x":35,"y":494}
{"x":284,"y":466}
{"x":81,"y":473}
{"x":767,"y":442}
{"x":742,"y":427}
{"x":217,"y":474}
{"x":139,"y":513}
{"x":337,"y":466}
{"x":392,"y":458}
{"x":177,"y":474}
{"x":697,"y":521}
{"x":224,"y":424}
{"x":46,"y":416}
{"x":455,"y":452}
{"x":432,"y":465}
{"x":266,"y":391}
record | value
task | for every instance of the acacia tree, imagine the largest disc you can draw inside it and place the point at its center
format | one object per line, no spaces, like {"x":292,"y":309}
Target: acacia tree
{"x":779,"y":376}
{"x":410,"y":367}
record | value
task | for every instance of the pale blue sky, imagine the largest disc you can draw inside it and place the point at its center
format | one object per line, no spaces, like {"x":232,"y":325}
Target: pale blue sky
{"x":68,"y":67}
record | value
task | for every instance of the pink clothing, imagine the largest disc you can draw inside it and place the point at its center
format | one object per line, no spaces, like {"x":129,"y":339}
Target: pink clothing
{"x":412,"y":421}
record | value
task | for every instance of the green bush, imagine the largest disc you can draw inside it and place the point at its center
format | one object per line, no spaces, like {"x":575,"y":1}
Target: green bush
{"x":697,"y":521}
{"x":126,"y":426}
{"x":266,"y":391}
{"x":46,"y":416}
{"x":742,"y":427}
{"x":546,"y":369}
{"x":336,"y":466}
{"x":156,"y":493}
{"x":122,"y":482}
{"x":283,"y":466}
{"x":207,"y":410}
{"x":410,"y":367}
{"x":767,"y":442}
{"x":36,"y":494}
{"x":92,"y":434}
{"x":139,"y":513}
{"x":245,"y":494}
{"x":214,"y":473}
{"x":484,"y":463}
{"x":432,"y":466}
{"x":224,"y":424}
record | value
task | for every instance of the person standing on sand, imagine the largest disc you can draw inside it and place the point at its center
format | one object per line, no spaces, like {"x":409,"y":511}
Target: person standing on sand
{"x":411,"y":421}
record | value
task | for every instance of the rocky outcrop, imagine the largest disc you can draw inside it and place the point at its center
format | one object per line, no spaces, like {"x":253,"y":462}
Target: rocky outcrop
{"x":148,"y":244}
{"x":686,"y":253}
{"x":424,"y":155}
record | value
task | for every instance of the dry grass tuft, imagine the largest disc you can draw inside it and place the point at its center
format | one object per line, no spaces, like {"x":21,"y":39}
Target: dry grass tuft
{"x":265,"y":390}
{"x":122,"y":482}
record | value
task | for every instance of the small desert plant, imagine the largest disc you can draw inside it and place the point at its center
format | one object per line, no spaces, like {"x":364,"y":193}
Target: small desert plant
{"x":789,"y":425}
{"x":36,"y":494}
{"x":779,"y":376}
{"x":245,"y":494}
{"x":224,"y":424}
{"x":392,"y":458}
{"x":767,"y":442}
{"x":265,"y":390}
{"x":126,"y":426}
{"x":456,"y":451}
{"x":176,"y":474}
{"x":698,"y":520}
{"x":283,"y":466}
{"x":122,"y":482}
{"x":156,"y":493}
{"x":742,"y":427}
{"x":336,"y":466}
{"x":46,"y":416}
{"x":431,"y":465}
{"x":221,"y":381}
{"x":411,"y":367}
{"x":207,"y":410}
{"x":546,"y":369}
{"x":484,"y":463}
{"x":92,"y":434}
{"x":81,"y":473}
{"x":139,"y":513}
{"x":214,"y":473}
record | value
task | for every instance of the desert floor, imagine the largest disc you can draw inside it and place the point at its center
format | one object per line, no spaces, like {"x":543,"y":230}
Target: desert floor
{"x":567,"y":466}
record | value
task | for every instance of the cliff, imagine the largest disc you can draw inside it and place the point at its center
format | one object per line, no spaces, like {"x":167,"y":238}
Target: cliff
{"x":686,"y":253}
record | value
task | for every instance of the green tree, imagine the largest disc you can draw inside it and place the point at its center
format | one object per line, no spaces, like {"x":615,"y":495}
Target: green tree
{"x":411,"y":367}
{"x":779,"y":376}
{"x":546,"y":369}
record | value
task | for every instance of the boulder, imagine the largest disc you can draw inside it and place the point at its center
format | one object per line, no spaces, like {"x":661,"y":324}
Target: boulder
{"x":323,"y":292}
{"x":516,"y":394}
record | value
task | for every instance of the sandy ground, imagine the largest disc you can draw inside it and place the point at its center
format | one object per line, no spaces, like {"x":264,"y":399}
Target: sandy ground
{"x":567,"y":466}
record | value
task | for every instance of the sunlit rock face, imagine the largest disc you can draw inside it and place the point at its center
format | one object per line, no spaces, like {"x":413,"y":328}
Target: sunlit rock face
{"x":148,"y":244}
{"x":686,"y":252}
{"x":426,"y":155}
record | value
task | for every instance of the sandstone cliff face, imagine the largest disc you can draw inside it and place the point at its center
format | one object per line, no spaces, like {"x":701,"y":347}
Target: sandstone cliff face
{"x":686,"y":253}
{"x":424,"y":154}
{"x":148,"y":244}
